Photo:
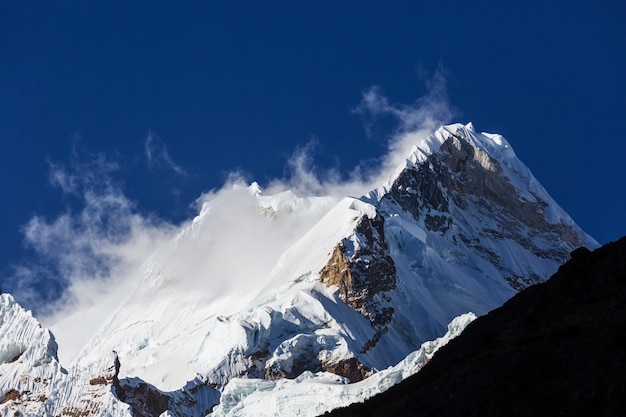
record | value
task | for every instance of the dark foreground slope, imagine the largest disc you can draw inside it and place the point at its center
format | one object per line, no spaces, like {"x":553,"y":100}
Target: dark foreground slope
{"x":557,"y":348}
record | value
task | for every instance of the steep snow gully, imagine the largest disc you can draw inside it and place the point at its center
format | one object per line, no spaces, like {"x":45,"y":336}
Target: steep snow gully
{"x":355,"y":301}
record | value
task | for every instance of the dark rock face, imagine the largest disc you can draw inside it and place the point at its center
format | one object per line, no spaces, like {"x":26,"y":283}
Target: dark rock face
{"x":461,"y":180}
{"x":146,"y":400}
{"x":11,"y":395}
{"x":556,"y":348}
{"x":364,"y":273}
{"x":351,"y":368}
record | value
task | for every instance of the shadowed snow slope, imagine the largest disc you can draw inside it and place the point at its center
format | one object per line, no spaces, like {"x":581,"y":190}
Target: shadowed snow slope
{"x":318,"y":286}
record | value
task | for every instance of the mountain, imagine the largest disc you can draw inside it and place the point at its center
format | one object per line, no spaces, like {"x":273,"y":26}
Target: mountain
{"x":323,"y":292}
{"x":556,"y":348}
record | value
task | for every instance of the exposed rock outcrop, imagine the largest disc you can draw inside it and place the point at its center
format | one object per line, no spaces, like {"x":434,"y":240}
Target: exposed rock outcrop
{"x":363,"y":270}
{"x":351,"y":368}
{"x":460,"y":179}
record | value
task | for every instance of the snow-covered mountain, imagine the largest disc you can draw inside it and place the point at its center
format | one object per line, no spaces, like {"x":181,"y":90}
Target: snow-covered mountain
{"x":359,"y":285}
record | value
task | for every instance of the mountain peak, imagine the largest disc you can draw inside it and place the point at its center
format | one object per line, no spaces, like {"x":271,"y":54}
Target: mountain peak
{"x":320,"y":285}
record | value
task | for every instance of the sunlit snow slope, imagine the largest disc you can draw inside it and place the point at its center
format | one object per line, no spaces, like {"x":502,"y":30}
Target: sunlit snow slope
{"x":353,"y":287}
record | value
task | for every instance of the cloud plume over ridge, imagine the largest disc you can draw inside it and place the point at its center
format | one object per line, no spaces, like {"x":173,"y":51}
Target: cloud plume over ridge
{"x":95,"y":253}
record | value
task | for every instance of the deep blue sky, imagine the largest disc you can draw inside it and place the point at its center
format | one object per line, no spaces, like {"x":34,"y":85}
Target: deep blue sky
{"x":240,"y":85}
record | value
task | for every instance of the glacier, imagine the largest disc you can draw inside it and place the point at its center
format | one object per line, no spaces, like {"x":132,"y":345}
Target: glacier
{"x":344,"y":308}
{"x":312,"y":394}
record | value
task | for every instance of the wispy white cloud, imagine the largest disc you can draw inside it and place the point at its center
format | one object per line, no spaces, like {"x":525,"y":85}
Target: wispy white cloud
{"x":414,"y":122}
{"x":157,"y":155}
{"x":95,"y":250}
{"x":91,"y":248}
{"x":428,"y":112}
